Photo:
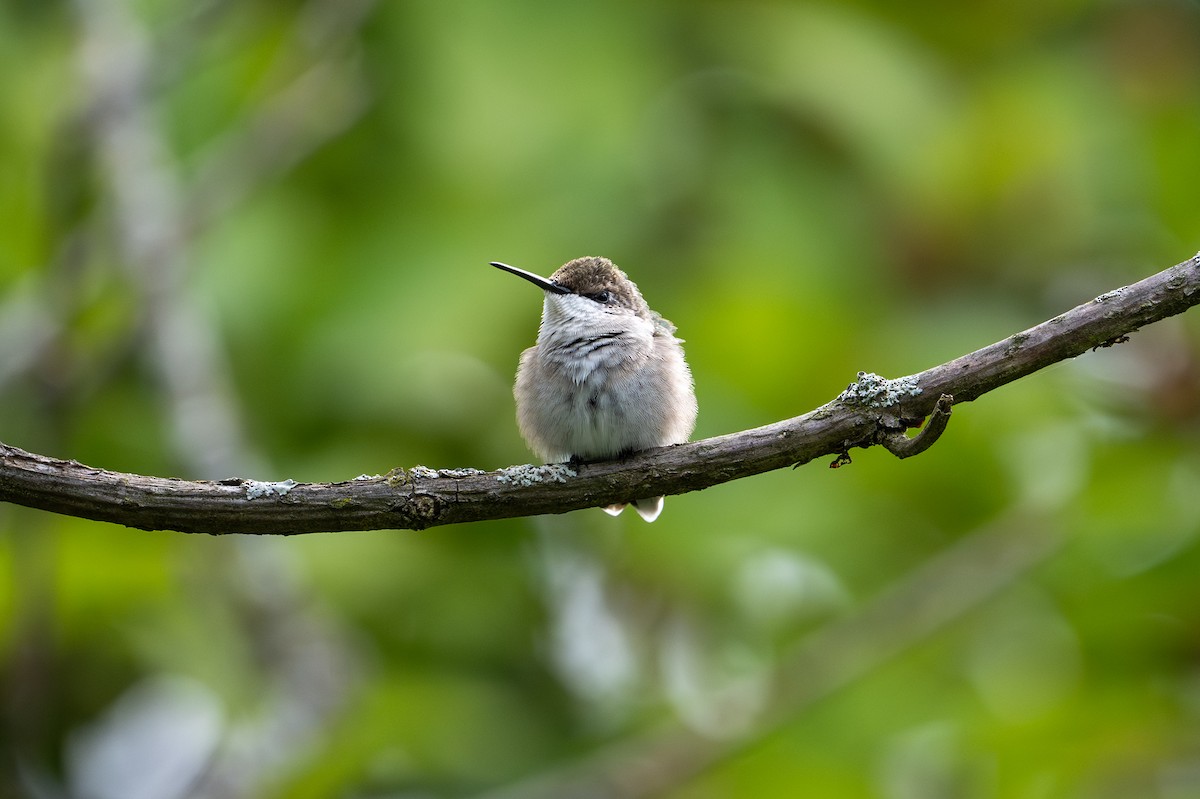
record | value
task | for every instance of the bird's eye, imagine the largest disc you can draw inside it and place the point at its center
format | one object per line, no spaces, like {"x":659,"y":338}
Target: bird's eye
{"x":602,"y":297}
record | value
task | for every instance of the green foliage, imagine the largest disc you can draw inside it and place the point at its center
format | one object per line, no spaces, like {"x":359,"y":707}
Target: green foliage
{"x":805,"y":190}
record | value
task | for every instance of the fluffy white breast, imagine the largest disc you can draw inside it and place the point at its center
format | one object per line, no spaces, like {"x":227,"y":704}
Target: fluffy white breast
{"x":579,"y":336}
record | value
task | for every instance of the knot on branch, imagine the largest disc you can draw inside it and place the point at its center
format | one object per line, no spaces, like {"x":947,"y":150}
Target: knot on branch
{"x":418,"y":511}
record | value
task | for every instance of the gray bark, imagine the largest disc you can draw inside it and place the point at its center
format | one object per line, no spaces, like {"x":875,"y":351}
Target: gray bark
{"x":872,"y":411}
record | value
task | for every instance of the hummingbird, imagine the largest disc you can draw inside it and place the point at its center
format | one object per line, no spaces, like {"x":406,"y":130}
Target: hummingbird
{"x":607,"y":376}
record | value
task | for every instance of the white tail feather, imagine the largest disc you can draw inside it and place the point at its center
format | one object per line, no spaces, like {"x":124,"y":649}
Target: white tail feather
{"x":648,"y":509}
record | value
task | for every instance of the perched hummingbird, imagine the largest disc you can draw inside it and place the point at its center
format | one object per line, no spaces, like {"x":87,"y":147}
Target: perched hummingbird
{"x":607,"y":375}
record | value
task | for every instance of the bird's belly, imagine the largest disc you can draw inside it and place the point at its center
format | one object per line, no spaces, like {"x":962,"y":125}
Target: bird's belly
{"x":599,"y":425}
{"x":598,"y":419}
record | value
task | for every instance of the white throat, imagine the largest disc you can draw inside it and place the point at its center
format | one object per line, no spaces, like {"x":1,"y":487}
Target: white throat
{"x":580,"y":335}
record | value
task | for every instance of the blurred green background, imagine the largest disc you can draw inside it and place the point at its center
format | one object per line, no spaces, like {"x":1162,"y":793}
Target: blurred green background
{"x":250,"y":238}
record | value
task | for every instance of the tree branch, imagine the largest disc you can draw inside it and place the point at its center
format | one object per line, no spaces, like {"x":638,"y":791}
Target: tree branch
{"x":871,"y":411}
{"x":902,"y":446}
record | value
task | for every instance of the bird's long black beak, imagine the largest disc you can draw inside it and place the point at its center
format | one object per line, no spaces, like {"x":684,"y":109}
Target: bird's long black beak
{"x":537,"y":280}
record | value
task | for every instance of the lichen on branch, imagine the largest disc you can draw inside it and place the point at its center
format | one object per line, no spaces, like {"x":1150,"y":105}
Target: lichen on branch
{"x":871,"y":411}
